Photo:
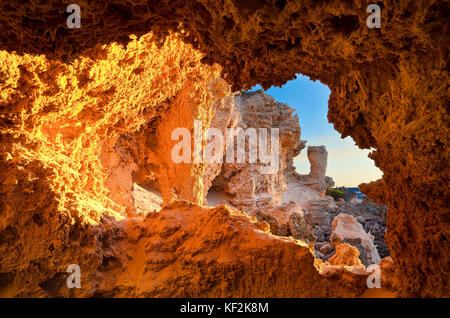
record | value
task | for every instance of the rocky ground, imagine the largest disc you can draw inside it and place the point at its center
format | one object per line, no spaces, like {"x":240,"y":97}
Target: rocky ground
{"x":365,"y":220}
{"x":370,"y":216}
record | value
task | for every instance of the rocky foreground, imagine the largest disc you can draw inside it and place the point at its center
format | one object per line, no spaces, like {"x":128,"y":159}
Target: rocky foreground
{"x":94,"y":185}
{"x":87,"y":179}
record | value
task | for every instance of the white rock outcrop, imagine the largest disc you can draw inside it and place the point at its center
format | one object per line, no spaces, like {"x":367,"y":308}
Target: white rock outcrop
{"x":242,"y":184}
{"x":276,"y":198}
{"x":346,"y":229}
{"x":292,"y":204}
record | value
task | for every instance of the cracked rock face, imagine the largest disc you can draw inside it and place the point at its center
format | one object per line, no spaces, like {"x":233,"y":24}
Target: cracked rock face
{"x":243,"y":183}
{"x":388,"y":92}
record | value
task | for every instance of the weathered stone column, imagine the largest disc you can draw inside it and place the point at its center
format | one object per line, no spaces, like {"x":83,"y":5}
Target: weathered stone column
{"x":318,"y":156}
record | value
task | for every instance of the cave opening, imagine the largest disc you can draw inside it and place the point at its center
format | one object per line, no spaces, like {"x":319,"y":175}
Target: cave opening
{"x":319,"y":177}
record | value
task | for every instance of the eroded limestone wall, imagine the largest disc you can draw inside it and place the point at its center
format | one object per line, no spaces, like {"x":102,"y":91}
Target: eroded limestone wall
{"x":388,"y":91}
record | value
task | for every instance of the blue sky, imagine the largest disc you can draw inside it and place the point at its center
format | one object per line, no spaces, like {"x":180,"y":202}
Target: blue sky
{"x":347,"y":164}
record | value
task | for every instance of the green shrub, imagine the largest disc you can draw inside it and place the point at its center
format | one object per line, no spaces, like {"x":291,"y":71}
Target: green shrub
{"x":334,"y":193}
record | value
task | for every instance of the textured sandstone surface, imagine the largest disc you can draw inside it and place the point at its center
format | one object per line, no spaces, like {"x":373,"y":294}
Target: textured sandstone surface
{"x":275,"y":198}
{"x":278,"y":195}
{"x":346,"y":254}
{"x":388,"y":91}
{"x":182,"y":251}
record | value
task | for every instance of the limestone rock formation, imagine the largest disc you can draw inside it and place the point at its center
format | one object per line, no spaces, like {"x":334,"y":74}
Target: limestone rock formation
{"x":274,"y":198}
{"x":86,"y":164}
{"x":244,"y":186}
{"x":243,"y":183}
{"x":278,"y":217}
{"x":371,"y":216}
{"x":305,"y":188}
{"x":300,"y":229}
{"x":346,"y":229}
{"x":317,"y":156}
{"x":287,"y":220}
{"x":346,"y":255}
{"x":171,"y":254}
{"x":225,"y":115}
{"x":388,"y":91}
{"x":319,"y":214}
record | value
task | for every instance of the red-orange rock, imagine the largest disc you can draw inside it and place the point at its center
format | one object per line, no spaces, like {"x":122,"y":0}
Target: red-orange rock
{"x":388,"y":91}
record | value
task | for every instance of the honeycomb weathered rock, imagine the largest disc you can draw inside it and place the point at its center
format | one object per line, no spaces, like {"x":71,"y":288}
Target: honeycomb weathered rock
{"x":389,"y":91}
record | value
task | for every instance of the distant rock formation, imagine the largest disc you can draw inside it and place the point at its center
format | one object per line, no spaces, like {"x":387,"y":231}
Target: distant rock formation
{"x":291,"y":204}
{"x":329,"y":181}
{"x":318,"y":157}
{"x":243,"y":186}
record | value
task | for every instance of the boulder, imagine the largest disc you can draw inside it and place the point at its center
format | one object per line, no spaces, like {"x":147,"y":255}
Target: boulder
{"x":329,"y":181}
{"x":346,"y":229}
{"x":277,"y":216}
{"x":286,"y":220}
{"x":327,"y":249}
{"x":346,"y":255}
{"x":320,"y":212}
{"x":319,"y":215}
{"x":273,"y":223}
{"x":372,"y":216}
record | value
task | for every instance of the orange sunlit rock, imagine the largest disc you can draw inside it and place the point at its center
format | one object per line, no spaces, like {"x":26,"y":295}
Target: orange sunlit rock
{"x":85,"y":114}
